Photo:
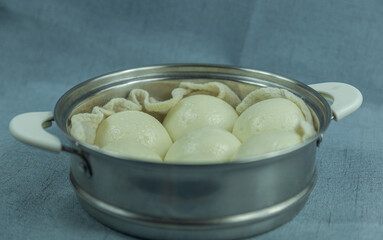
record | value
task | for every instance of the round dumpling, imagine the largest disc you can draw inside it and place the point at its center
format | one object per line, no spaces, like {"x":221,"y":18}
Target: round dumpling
{"x":132,"y":149}
{"x":267,"y":142}
{"x":137,"y":126}
{"x":276,"y":114}
{"x":203,"y":145}
{"x":198,"y":111}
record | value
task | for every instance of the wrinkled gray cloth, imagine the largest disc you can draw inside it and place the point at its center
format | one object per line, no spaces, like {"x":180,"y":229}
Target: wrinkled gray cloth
{"x":47,"y":47}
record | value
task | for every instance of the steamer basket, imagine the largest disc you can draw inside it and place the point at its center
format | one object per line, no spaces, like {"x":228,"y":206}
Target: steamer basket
{"x":170,"y":201}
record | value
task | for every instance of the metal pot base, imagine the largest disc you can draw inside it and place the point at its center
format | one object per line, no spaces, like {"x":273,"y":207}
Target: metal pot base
{"x":232,"y":227}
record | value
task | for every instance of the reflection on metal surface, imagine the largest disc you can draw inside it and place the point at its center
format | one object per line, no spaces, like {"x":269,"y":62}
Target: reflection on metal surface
{"x":254,"y":216}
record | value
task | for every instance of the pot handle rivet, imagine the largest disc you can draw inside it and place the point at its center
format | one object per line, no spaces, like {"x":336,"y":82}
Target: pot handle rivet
{"x":319,"y":140}
{"x":84,"y":169}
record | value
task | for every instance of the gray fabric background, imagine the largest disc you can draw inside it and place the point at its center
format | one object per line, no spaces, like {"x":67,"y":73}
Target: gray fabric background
{"x":46,"y":47}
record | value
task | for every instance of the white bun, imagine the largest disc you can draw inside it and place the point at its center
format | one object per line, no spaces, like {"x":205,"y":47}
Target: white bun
{"x":203,"y":145}
{"x":137,"y":126}
{"x":198,"y":111}
{"x":277,"y":114}
{"x":267,"y":142}
{"x":132,"y":149}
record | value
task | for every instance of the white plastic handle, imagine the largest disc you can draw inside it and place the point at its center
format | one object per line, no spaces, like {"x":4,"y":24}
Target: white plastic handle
{"x":29,"y":129}
{"x":345,"y":98}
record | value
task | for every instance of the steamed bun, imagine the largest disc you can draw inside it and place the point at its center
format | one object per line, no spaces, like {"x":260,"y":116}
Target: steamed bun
{"x":197,"y":111}
{"x":267,"y":142}
{"x":132,"y":149}
{"x":203,"y":145}
{"x":136,"y":126}
{"x":276,"y":114}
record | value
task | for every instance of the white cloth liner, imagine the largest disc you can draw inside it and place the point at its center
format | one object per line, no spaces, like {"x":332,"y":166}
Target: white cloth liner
{"x":84,"y":125}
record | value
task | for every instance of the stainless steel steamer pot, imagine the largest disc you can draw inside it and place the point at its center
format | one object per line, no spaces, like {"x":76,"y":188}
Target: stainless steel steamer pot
{"x":170,"y":201}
